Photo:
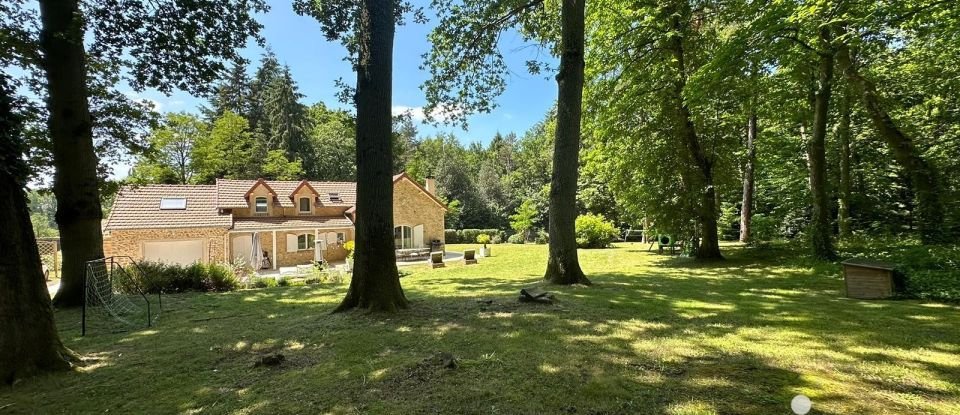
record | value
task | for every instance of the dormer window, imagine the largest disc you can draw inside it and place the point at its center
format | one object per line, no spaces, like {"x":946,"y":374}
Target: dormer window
{"x":335,"y":198}
{"x":260,"y":206}
{"x":173,"y":203}
{"x":304,"y":205}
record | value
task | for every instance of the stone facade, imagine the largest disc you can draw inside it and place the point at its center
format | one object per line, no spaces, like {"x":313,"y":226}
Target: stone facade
{"x":129,"y":242}
{"x":412,"y":206}
{"x":334,"y":252}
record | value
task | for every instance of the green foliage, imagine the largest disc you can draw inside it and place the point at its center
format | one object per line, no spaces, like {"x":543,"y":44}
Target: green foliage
{"x":349,"y":246}
{"x":541,"y":238}
{"x":763,"y":229}
{"x":517,"y":239}
{"x":277,"y":167}
{"x":483,"y":238}
{"x":154,"y":277}
{"x":927,"y":272}
{"x":594,"y":231}
{"x":265,"y":282}
{"x":522,"y":220}
{"x":229,"y":151}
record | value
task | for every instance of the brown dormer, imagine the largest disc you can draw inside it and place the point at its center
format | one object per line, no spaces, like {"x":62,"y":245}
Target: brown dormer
{"x":261,"y":198}
{"x":305,"y":198}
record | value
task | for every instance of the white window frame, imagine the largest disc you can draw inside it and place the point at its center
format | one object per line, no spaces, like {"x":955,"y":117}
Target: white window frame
{"x":305,"y":242}
{"x":406,"y":235}
{"x":256,"y":205}
{"x":300,"y":206}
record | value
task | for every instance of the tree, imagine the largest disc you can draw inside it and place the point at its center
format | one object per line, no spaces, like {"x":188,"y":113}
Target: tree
{"x":563,"y":265}
{"x":168,"y":52}
{"x":231,"y":94}
{"x":29,"y":344}
{"x":288,"y":120}
{"x":522,"y":221}
{"x":75,"y":178}
{"x":749,"y":185}
{"x":843,"y":136}
{"x":333,"y":137}
{"x":170,"y":157}
{"x":230,"y":150}
{"x":370,"y":26}
{"x":277,"y":167}
{"x":820,"y":230}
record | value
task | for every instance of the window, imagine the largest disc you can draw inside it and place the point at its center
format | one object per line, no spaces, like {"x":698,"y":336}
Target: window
{"x":261,"y":205}
{"x":173,"y":203}
{"x":335,"y":198}
{"x":304,"y":205}
{"x":305,"y":242}
{"x":403,"y":237}
{"x":341,"y":237}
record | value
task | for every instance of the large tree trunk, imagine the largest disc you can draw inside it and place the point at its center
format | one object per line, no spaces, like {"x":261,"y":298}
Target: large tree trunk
{"x":563,"y":266}
{"x":376,"y":282}
{"x":843,"y":134}
{"x":29,"y":343}
{"x":924,"y":178}
{"x":820,"y":232}
{"x":75,"y":182}
{"x":746,"y":209}
{"x":707,"y":211}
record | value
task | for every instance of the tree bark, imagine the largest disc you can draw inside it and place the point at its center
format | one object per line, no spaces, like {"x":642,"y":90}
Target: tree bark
{"x":746,"y":209}
{"x":563,"y":266}
{"x":924,"y":178}
{"x":29,"y":343}
{"x":75,"y":181}
{"x":820,"y":231}
{"x":376,"y":283}
{"x":843,"y":134}
{"x":707,"y":212}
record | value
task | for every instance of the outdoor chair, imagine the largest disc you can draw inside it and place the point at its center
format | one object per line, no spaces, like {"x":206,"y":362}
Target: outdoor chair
{"x":469,"y":257}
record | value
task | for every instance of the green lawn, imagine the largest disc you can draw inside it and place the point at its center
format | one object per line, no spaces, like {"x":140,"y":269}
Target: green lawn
{"x":653,"y":335}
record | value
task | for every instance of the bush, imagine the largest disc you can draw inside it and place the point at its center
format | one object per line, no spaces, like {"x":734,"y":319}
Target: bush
{"x":469,"y":236}
{"x":483,"y":239}
{"x":517,"y":239}
{"x":594,"y":231}
{"x":541,"y":238}
{"x":349,"y":246}
{"x":763,"y":229}
{"x":266,"y":282}
{"x":497,"y":239}
{"x":451,"y":236}
{"x":154,"y":277}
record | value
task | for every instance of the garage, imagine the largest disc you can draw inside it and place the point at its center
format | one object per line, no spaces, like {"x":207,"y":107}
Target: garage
{"x":174,"y":252}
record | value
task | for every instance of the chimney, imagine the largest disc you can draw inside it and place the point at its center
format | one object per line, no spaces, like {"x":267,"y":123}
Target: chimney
{"x":431,"y":185}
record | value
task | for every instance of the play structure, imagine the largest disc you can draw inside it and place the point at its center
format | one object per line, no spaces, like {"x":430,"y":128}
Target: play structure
{"x":666,"y":242}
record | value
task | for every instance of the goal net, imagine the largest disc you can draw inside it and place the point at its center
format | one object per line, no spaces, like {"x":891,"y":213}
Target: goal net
{"x":113,"y":298}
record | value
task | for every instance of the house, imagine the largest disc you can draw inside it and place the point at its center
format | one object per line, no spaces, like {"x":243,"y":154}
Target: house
{"x":287,"y":222}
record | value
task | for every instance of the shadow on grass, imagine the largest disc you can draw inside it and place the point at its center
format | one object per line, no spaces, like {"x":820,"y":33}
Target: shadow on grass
{"x":678,"y":338}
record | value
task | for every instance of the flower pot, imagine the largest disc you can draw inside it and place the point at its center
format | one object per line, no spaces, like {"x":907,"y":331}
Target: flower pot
{"x":484,"y":252}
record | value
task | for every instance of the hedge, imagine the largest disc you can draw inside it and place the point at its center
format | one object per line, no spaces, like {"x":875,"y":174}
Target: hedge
{"x":469,"y":236}
{"x":154,"y":277}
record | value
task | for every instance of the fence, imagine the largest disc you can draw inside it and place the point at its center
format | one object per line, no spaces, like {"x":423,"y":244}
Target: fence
{"x":50,"y":257}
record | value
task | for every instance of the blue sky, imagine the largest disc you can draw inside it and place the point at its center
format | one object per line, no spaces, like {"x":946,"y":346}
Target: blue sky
{"x":316,"y":64}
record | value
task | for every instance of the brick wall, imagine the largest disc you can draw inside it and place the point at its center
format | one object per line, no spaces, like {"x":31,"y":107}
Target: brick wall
{"x":129,"y":242}
{"x":412,"y":207}
{"x":287,"y":259}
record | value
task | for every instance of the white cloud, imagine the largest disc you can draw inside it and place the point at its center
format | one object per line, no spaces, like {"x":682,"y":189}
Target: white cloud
{"x":442,"y":113}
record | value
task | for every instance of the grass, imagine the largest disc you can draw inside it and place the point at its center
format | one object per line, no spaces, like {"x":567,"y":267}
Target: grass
{"x":653,"y":335}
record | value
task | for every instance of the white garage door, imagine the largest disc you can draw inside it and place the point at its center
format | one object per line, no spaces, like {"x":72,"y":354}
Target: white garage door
{"x":174,"y":252}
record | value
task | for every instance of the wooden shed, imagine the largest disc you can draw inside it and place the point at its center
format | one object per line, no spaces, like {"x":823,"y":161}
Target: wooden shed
{"x":868,"y":279}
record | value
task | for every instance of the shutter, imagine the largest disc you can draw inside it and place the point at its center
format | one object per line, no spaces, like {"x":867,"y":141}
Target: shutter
{"x":291,"y":243}
{"x":418,"y":236}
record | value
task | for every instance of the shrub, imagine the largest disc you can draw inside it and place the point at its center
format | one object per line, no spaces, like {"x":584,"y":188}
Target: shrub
{"x":517,"y":239}
{"x":594,"y":231}
{"x":283,"y":282}
{"x":451,"y":236}
{"x":154,"y":277}
{"x":349,"y":247}
{"x":221,"y":278}
{"x":763,"y":229}
{"x":496,"y":239}
{"x":483,"y":239}
{"x":541,"y":238}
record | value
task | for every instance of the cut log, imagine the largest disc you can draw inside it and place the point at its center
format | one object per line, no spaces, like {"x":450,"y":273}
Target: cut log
{"x":535,"y":295}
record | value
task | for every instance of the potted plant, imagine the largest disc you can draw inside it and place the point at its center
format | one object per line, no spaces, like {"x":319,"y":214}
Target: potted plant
{"x":484,"y":239}
{"x":349,"y":248}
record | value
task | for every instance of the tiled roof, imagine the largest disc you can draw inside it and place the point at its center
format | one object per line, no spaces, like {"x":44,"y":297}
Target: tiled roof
{"x":231,"y":193}
{"x":138,"y":207}
{"x":306,"y":222}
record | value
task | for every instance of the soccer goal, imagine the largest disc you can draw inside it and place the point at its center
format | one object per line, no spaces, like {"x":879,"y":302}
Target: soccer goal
{"x":114,"y":299}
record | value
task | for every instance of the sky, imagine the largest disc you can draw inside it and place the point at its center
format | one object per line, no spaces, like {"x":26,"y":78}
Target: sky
{"x":316,"y":64}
